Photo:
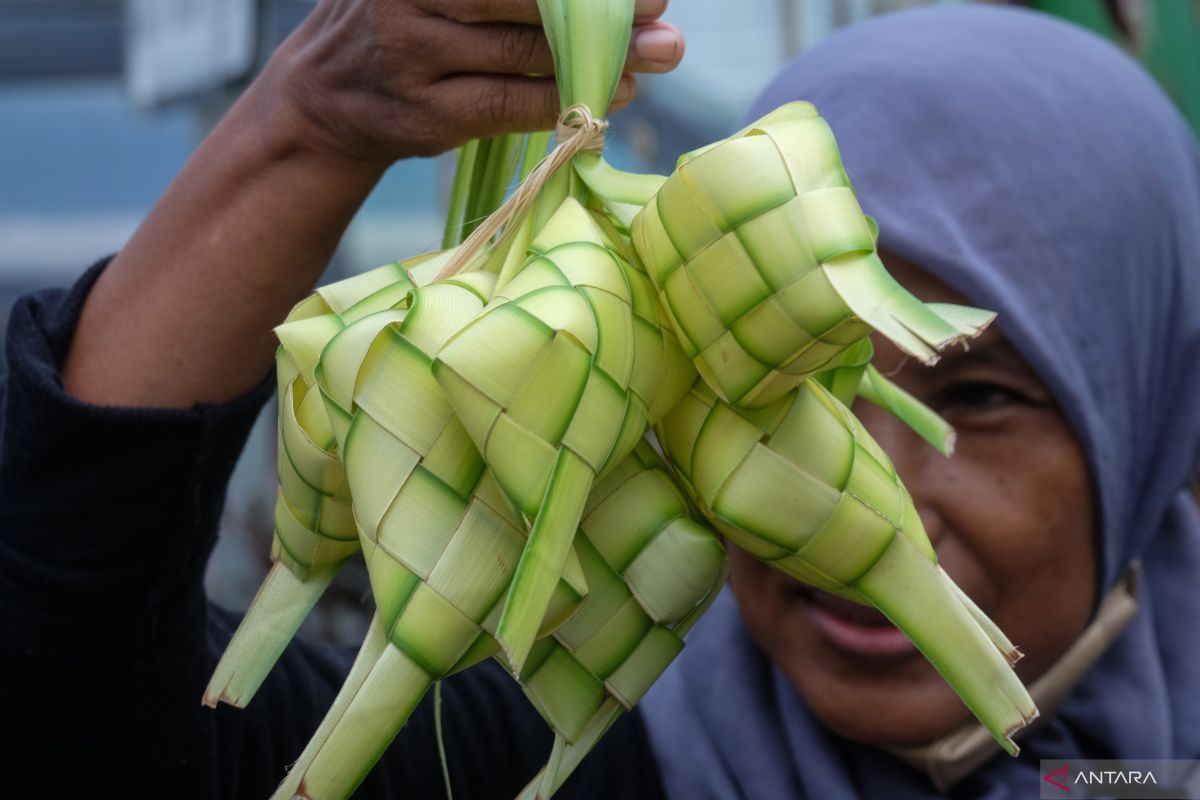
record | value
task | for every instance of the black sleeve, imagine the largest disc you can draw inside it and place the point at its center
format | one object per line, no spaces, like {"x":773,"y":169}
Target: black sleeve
{"x":107,"y":518}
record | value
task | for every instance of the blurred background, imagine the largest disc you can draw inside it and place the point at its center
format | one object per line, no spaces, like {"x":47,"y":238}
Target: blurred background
{"x":102,"y":101}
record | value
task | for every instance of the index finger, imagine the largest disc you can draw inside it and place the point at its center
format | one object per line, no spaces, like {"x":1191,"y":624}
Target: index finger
{"x":520,"y":11}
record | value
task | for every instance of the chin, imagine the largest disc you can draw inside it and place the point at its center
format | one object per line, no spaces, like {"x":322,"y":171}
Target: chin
{"x":891,"y":721}
{"x":903,"y":703}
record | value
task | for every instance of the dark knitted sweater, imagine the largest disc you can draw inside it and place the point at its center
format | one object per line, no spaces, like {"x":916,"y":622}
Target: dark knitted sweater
{"x":107,"y":518}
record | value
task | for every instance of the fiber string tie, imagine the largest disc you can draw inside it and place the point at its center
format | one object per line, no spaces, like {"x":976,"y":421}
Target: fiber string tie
{"x":578,"y":132}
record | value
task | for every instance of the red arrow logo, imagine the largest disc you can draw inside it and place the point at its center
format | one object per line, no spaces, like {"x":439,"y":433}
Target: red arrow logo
{"x":1060,"y":771}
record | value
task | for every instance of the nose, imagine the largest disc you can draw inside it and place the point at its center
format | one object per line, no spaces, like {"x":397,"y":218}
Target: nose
{"x":916,"y":461}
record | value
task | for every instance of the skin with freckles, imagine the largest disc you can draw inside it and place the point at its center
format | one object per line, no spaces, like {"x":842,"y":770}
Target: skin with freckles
{"x":1011,"y":516}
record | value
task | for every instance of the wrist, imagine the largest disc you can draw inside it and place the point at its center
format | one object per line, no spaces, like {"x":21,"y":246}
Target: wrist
{"x":298,"y":101}
{"x":282,"y":128}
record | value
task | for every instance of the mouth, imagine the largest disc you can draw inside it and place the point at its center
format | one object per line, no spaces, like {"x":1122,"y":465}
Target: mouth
{"x":855,"y":630}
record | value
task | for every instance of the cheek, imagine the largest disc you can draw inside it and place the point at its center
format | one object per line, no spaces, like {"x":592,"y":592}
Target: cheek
{"x":769,"y":609}
{"x":1014,"y":523}
{"x":759,"y":590}
{"x":1011,"y":518}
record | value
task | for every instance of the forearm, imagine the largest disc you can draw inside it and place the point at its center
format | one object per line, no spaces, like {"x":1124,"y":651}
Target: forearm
{"x":185,"y":312}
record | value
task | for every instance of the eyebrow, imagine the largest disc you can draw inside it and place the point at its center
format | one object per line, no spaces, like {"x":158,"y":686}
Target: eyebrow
{"x":990,"y":349}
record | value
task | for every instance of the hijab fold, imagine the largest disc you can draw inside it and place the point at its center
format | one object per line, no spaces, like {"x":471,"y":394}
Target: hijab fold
{"x":1040,"y":172}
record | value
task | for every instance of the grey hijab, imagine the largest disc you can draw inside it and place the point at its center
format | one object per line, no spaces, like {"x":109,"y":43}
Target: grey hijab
{"x":1039,"y":171}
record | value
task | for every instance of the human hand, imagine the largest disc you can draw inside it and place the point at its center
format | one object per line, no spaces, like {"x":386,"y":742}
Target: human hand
{"x":380,"y":80}
{"x":244,"y":230}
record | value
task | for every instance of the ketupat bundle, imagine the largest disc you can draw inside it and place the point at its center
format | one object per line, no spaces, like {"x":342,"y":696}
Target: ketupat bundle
{"x":482,"y":413}
{"x":437,"y":565}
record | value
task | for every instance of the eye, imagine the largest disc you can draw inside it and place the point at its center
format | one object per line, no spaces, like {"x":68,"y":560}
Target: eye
{"x":977,"y":400}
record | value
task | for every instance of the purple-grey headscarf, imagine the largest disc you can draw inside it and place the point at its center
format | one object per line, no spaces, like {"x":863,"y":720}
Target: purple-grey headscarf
{"x":1043,"y":174}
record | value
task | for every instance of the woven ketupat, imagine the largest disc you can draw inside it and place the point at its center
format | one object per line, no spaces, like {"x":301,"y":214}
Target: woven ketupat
{"x":802,"y":486}
{"x":314,"y":527}
{"x":799,"y":484}
{"x":554,"y":382}
{"x":650,"y":568}
{"x":314,"y":524}
{"x":440,"y":538}
{"x":651,"y":571}
{"x":767,"y":265}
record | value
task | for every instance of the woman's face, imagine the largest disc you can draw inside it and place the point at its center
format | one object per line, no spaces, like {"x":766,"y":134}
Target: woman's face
{"x":1011,"y":517}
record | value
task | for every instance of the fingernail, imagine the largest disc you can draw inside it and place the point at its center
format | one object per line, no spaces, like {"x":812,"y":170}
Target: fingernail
{"x":649,"y":8}
{"x":657,"y":44}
